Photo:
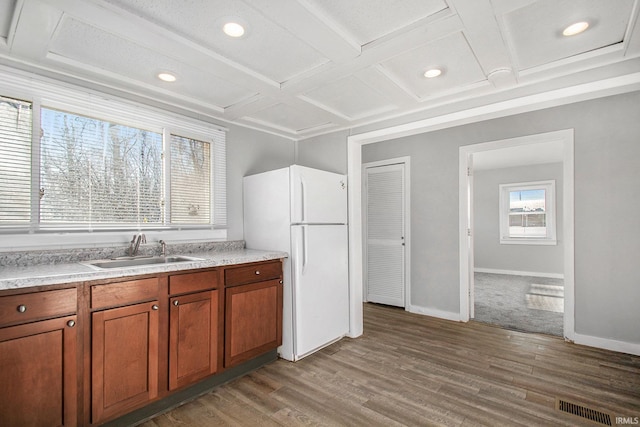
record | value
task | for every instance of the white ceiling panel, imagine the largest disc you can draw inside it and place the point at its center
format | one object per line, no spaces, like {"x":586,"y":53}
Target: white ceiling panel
{"x":308,"y":67}
{"x":85,"y":44}
{"x":7,"y":8}
{"x":350,"y":97}
{"x":266,"y":48}
{"x":294,"y":117}
{"x":536,"y":36}
{"x":451,"y":54}
{"x":368,"y":20}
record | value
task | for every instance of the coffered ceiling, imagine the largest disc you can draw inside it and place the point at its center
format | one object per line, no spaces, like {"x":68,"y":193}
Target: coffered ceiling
{"x":307,"y":67}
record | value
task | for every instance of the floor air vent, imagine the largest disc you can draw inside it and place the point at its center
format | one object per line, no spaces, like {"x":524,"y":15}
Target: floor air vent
{"x":584,"y":412}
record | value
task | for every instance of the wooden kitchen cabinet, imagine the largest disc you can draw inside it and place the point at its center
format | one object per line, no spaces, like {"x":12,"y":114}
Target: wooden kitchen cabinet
{"x":124,"y":349}
{"x":253,"y":311}
{"x":194,"y":328}
{"x":38,"y":359}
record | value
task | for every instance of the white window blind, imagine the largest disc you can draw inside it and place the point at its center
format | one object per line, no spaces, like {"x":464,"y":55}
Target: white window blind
{"x":15,"y":161}
{"x":190,"y":181}
{"x":99,"y":173}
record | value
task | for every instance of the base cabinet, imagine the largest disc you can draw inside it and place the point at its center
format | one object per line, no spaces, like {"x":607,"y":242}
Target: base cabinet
{"x":124,"y":371}
{"x":38,"y":373}
{"x":253,"y":320}
{"x":94,"y":353}
{"x":193,"y":337}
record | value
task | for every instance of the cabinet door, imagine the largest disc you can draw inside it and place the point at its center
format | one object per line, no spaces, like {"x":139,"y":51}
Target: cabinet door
{"x":253,"y":323}
{"x":124,"y":357}
{"x":193,"y":337}
{"x":38,"y":373}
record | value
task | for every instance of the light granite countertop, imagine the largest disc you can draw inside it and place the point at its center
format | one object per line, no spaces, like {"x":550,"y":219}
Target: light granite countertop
{"x":24,"y":276}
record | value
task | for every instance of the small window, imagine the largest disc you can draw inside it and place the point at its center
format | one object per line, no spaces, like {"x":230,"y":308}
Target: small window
{"x":15,"y":161}
{"x":527,"y":213}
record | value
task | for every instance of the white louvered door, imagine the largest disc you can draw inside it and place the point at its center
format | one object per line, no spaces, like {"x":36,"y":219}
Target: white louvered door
{"x":385,"y":234}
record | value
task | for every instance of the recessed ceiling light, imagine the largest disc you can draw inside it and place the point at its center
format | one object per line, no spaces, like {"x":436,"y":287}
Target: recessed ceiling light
{"x":233,"y":29}
{"x":434,"y":72}
{"x":167,"y":77}
{"x":576,"y":28}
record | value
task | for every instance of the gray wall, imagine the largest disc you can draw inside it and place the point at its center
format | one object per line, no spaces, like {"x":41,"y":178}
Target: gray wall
{"x":488,"y":252}
{"x":326,"y":152}
{"x":250,"y":152}
{"x":607,"y":199}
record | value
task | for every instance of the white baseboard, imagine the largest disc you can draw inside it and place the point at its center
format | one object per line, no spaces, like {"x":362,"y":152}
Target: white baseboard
{"x":441,"y":314}
{"x":607,"y":344}
{"x":519,"y":273}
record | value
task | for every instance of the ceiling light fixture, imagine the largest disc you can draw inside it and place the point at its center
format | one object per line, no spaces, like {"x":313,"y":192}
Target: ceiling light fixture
{"x":167,"y":77}
{"x":233,"y":29}
{"x":434,"y":72}
{"x":576,"y":28}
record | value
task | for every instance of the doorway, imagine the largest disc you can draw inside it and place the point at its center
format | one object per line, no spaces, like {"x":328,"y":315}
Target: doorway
{"x":386,"y":235}
{"x":560,"y":139}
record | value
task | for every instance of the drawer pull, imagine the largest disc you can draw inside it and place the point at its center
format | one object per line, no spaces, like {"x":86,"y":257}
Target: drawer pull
{"x":176,"y":302}
{"x":281,"y":282}
{"x":22,"y":308}
{"x":71,"y":323}
{"x":154,"y":307}
{"x":257,"y":271}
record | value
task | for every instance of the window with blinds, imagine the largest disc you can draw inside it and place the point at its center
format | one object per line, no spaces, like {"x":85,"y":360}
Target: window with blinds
{"x":97,"y":172}
{"x":190,"y":182}
{"x":87,"y":173}
{"x":15,"y":161}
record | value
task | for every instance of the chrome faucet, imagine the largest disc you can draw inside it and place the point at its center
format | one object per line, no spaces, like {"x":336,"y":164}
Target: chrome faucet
{"x":135,"y":243}
{"x":163,"y":248}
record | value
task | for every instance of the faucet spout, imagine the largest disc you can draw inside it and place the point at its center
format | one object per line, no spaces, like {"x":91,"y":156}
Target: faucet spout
{"x":135,"y":243}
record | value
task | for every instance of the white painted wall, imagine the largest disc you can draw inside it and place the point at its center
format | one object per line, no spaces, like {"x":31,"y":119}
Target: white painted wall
{"x":607,"y":197}
{"x":250,"y":152}
{"x":325,"y":152}
{"x":489,"y":253}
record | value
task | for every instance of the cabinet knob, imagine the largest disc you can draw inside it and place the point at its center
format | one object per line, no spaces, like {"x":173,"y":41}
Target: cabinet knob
{"x":71,"y":323}
{"x":257,"y":271}
{"x":281,"y":282}
{"x":176,"y":302}
{"x":22,"y":308}
{"x":154,"y":307}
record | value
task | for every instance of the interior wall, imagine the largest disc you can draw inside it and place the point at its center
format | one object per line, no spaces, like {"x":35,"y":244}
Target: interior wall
{"x":249,"y":152}
{"x":488,"y":252}
{"x":325,"y":152}
{"x":606,"y":192}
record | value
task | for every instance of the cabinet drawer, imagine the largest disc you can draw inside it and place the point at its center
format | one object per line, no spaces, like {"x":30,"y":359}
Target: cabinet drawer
{"x":123,"y":293}
{"x":252,"y":273}
{"x":193,"y":282}
{"x":37,"y":305}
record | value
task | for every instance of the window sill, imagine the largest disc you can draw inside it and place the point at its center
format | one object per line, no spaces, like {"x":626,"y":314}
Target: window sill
{"x":535,"y":242}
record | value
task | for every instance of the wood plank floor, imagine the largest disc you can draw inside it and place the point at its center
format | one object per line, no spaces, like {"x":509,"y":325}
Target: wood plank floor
{"x":414,"y":370}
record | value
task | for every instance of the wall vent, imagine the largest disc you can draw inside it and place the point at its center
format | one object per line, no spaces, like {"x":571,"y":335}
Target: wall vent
{"x":582,"y":411}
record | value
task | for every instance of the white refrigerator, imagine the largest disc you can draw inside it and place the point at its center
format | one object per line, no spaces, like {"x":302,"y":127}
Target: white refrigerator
{"x":303,"y":211}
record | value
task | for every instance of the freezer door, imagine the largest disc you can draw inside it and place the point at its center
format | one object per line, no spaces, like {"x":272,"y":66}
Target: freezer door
{"x":320,"y":286}
{"x":317,"y":196}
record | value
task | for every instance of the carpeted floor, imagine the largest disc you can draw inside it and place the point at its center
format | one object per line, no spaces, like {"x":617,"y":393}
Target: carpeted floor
{"x":531,"y":304}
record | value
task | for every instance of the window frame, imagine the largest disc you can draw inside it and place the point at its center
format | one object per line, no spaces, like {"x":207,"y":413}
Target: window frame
{"x":549,"y":186}
{"x":52,"y":94}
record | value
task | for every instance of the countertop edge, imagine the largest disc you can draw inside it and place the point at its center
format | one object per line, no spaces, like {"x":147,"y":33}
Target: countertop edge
{"x":13,"y":278}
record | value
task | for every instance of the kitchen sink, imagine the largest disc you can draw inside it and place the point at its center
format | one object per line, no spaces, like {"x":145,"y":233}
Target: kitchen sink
{"x":139,"y":261}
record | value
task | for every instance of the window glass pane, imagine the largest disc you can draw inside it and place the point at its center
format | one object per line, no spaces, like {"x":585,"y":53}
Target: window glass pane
{"x":190,"y":181}
{"x":96,"y":172}
{"x":527,"y":213}
{"x":15,"y":161}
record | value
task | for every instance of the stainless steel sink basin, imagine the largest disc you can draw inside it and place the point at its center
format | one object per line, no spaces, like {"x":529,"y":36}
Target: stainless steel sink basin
{"x":139,"y":261}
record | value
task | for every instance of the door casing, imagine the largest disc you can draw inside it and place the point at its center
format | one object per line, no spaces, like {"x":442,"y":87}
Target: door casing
{"x":406,"y":161}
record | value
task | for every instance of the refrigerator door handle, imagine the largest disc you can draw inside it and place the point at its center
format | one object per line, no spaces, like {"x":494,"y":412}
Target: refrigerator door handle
{"x":304,"y":248}
{"x":303,"y":205}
